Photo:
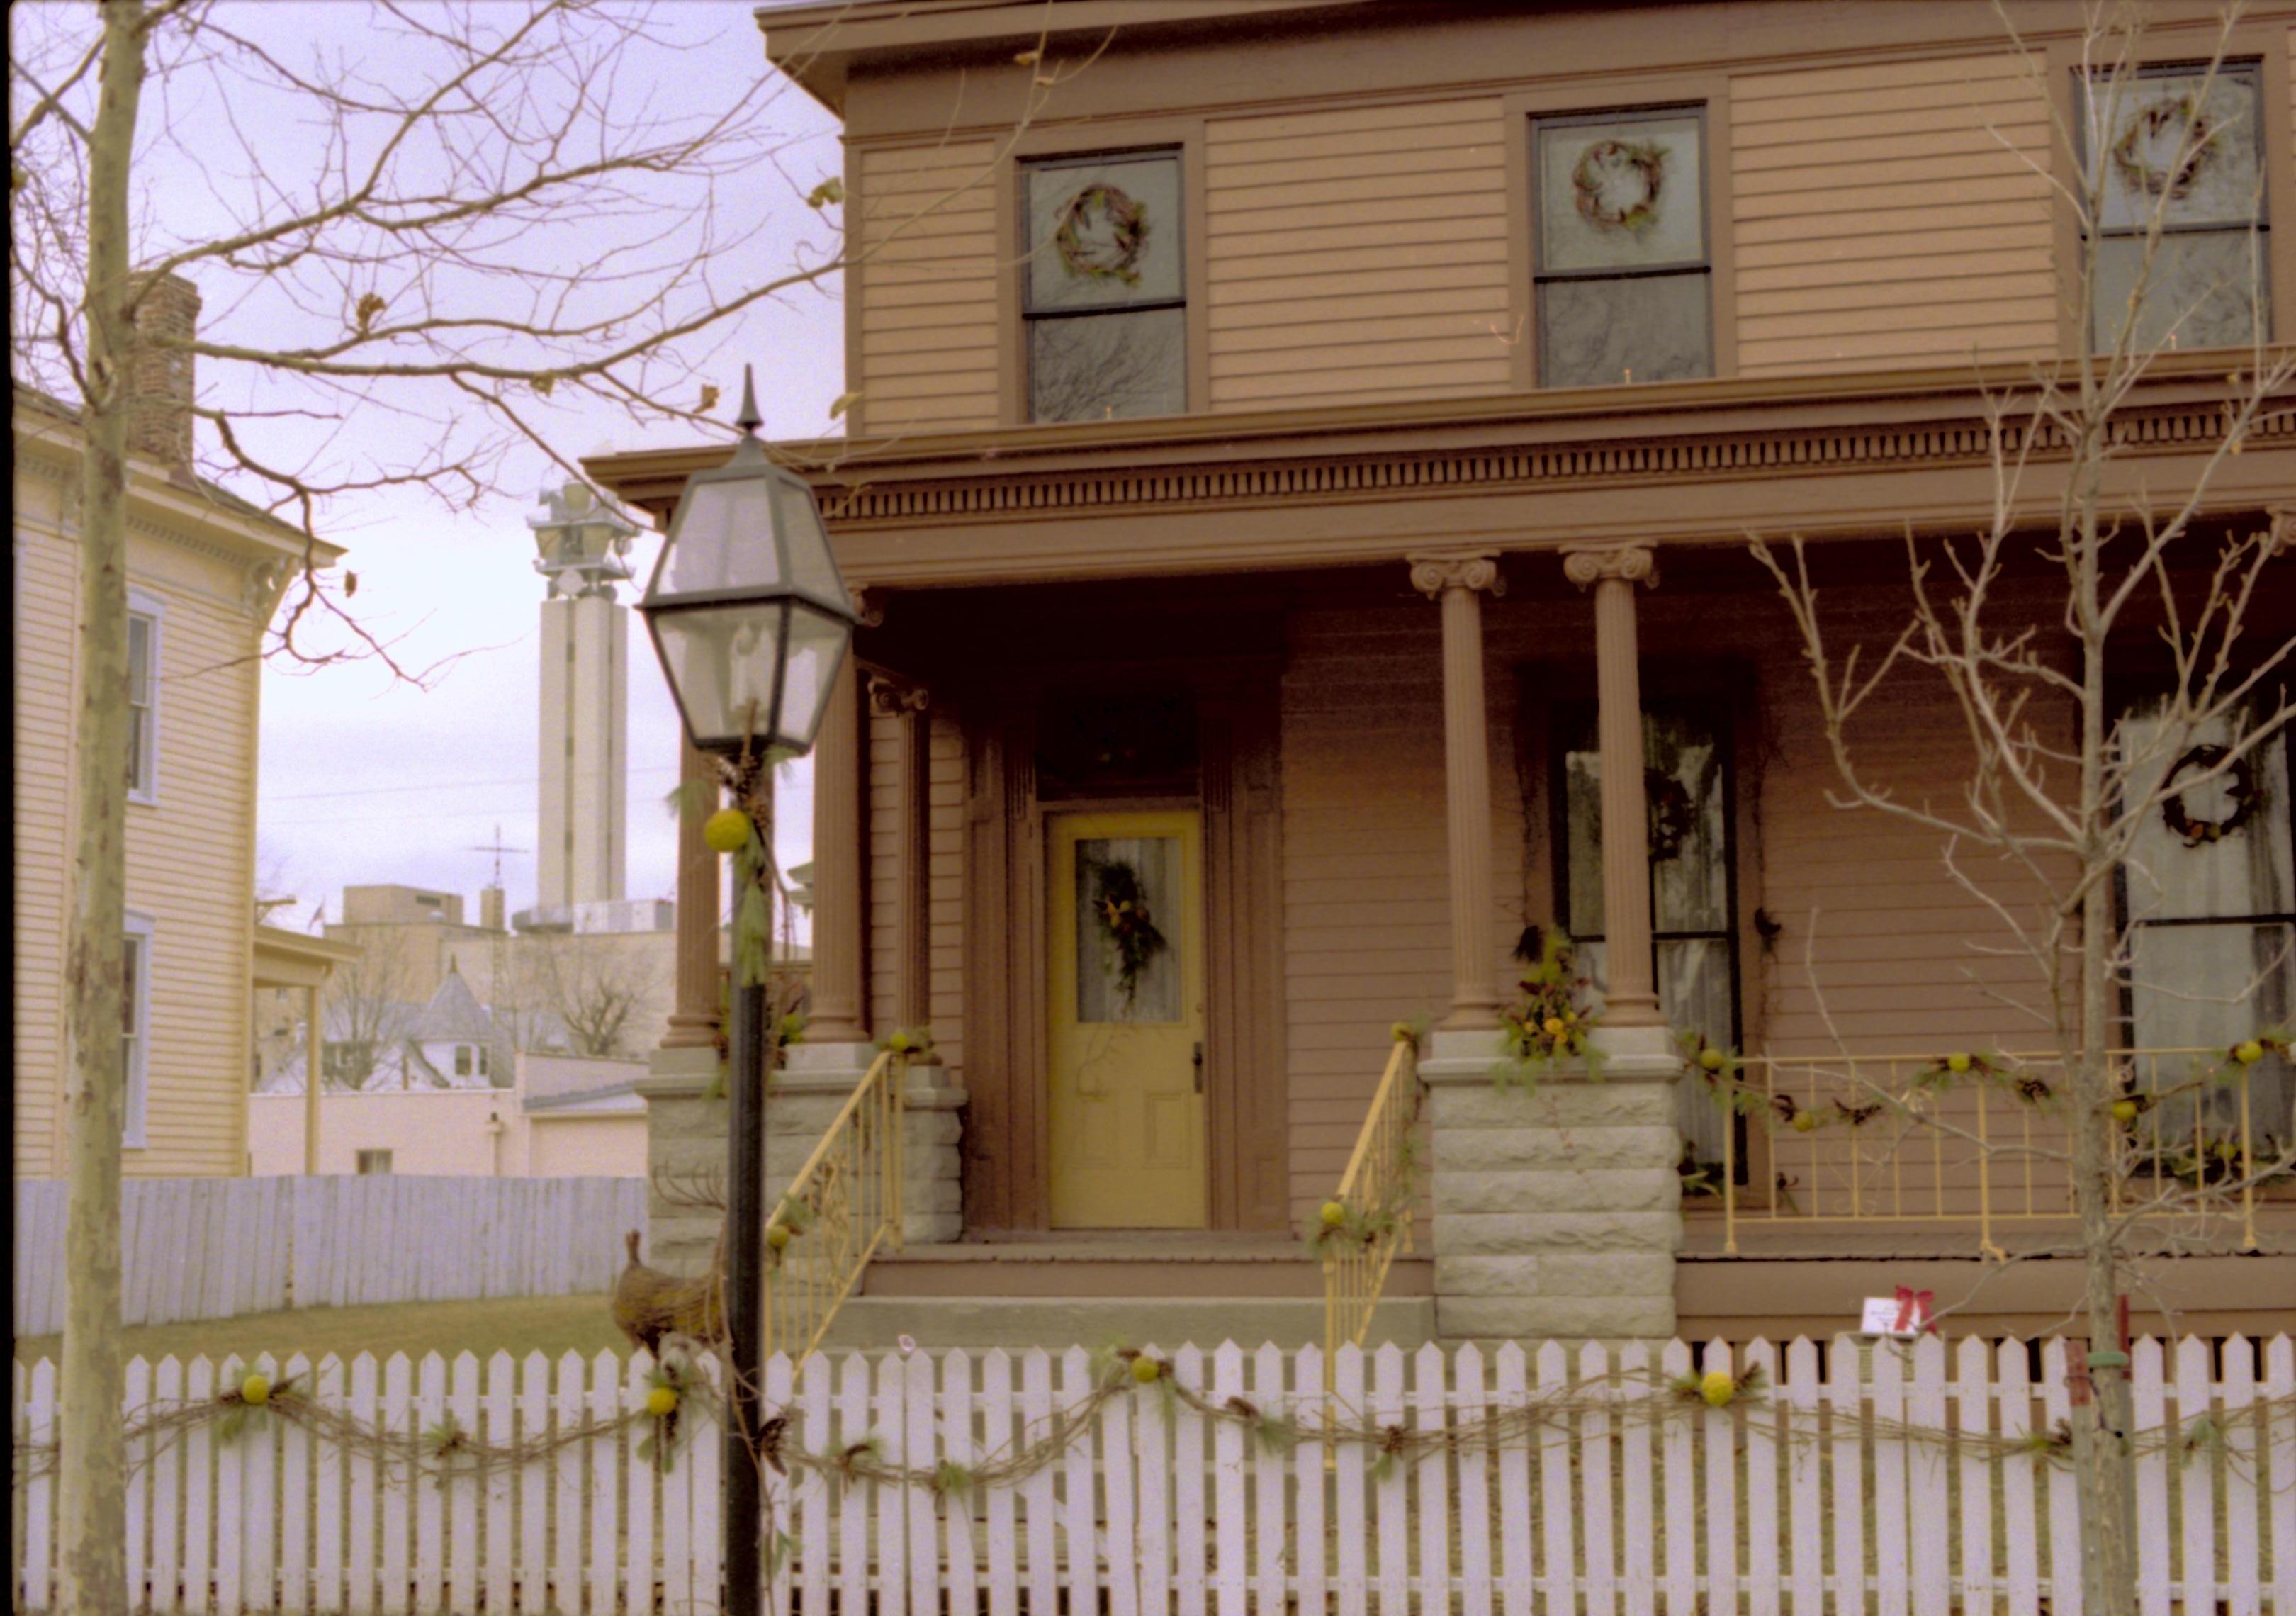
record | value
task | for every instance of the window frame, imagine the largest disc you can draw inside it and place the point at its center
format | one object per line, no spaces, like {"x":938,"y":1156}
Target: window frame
{"x":361,"y":1163}
{"x":1116,"y":137}
{"x":144,"y":777}
{"x":2173,"y":44}
{"x":2234,"y":63}
{"x":137,"y":934}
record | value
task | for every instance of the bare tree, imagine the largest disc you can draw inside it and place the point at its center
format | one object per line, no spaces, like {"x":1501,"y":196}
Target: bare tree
{"x":2068,"y":781}
{"x":438,"y":218}
{"x":369,"y":1003}
{"x":594,"y":989}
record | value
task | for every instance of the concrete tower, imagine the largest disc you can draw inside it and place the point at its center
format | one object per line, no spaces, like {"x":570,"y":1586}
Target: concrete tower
{"x":586,"y":681}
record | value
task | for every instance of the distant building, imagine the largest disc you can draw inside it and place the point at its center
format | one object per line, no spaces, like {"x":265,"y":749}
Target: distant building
{"x":584,"y":741}
{"x":205,"y":571}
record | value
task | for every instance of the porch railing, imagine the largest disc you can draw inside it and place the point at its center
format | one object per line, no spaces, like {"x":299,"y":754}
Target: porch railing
{"x":1879,"y":1139}
{"x":840,"y":1209}
{"x":1375,"y":1202}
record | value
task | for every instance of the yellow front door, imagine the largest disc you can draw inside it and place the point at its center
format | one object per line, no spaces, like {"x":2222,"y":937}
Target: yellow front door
{"x":1127,"y":993}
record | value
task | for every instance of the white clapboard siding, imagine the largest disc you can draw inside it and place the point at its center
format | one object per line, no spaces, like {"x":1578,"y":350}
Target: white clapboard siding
{"x":222,"y":1248}
{"x":1809,"y":1496}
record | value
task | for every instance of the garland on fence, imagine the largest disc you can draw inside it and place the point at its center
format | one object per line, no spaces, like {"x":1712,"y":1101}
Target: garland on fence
{"x":1634,"y":1400}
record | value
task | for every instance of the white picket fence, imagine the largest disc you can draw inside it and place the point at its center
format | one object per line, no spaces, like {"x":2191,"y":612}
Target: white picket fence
{"x":1810,"y":1497}
{"x":219,"y":1248}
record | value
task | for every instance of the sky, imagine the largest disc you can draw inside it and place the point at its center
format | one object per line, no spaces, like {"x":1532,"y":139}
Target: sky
{"x":366,"y":778}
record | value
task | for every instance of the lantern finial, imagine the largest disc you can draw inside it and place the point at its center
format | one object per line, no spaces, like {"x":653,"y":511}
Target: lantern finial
{"x":748,"y":420}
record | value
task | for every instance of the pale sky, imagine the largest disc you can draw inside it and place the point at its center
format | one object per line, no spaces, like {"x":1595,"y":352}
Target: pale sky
{"x":368,"y":780}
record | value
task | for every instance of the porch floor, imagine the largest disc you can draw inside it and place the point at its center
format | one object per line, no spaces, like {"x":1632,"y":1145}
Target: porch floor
{"x":1120,"y":1262}
{"x":1820,"y":1240}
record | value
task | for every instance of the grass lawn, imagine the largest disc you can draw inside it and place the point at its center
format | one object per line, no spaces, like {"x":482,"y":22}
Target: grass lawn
{"x":551,"y":1325}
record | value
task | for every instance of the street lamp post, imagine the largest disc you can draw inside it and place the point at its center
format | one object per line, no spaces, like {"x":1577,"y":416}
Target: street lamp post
{"x":750,"y":619}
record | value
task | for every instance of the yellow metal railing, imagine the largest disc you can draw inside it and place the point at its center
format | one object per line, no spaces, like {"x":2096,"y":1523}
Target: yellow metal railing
{"x":1375,"y":1196}
{"x":840,"y":1209}
{"x":1866,"y":1139}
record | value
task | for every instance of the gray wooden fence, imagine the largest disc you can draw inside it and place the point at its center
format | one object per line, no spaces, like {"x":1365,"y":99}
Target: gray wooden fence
{"x":217,"y":1248}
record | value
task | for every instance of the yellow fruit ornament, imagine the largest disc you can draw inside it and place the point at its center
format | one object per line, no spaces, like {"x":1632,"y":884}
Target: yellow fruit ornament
{"x":1334,"y":1213}
{"x":1718,"y":1387}
{"x":255,"y":1389}
{"x":1805,"y":1121}
{"x":1146,"y":1370}
{"x":726,"y":831}
{"x":662,"y":1402}
{"x":1710,"y":1059}
{"x":2248,"y":1051}
{"x":1956,"y":1064}
{"x":2124,"y":1111}
{"x":778,"y":1237}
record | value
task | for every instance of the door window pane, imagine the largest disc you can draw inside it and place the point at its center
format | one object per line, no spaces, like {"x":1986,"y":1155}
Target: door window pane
{"x":1128,"y":913}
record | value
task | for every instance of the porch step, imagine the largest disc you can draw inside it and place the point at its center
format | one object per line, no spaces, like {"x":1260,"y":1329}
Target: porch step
{"x":872,"y":1323}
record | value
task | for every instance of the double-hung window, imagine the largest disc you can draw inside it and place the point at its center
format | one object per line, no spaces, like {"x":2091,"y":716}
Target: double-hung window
{"x":1624,"y":274}
{"x":1104,"y":287}
{"x":2185,"y":144}
{"x":143,"y":706}
{"x":2209,"y":895}
{"x":136,"y":1028}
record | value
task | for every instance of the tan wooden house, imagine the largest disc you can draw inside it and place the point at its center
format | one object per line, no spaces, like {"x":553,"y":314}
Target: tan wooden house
{"x":1303,"y":453}
{"x":205,"y":571}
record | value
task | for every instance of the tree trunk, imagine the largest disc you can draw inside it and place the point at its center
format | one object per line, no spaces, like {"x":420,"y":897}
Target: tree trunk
{"x":92,"y":1470}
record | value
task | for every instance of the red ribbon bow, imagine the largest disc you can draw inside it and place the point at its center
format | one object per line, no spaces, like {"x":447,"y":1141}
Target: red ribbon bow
{"x":1914,"y":1309}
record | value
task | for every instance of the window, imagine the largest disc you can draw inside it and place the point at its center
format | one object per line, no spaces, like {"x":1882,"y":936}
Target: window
{"x":1104,"y":288}
{"x":1619,"y":254}
{"x":373,"y":1161}
{"x":143,"y":706}
{"x":1693,"y":898}
{"x":2196,"y":157}
{"x":2212,"y":920}
{"x":136,"y":1028}
{"x":462,"y":1060}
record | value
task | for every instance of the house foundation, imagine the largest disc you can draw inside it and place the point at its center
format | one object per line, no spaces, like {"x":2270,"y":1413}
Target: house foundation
{"x":1557,"y":1210}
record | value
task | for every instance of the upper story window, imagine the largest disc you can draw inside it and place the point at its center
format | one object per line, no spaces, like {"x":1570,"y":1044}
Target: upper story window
{"x":2185,"y":144}
{"x":1623,"y":271}
{"x":1104,"y":289}
{"x":134,"y":1028}
{"x":143,"y":706}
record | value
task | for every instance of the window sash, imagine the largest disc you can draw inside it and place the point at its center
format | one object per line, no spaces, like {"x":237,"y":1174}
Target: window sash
{"x":1033,"y":314}
{"x":135,"y":1042}
{"x":142,"y":728}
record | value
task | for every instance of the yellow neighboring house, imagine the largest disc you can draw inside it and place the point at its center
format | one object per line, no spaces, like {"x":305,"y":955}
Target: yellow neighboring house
{"x":206,"y":571}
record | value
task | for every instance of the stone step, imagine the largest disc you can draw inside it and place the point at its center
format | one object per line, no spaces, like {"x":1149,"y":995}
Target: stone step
{"x":874,"y":1323}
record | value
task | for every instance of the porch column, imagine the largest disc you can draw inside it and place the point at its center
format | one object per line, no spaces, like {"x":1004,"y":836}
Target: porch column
{"x":1613,"y":571}
{"x":1457,"y":582}
{"x":837,"y":936}
{"x":693,"y":1012}
{"x":909,"y":704}
{"x":314,"y":1077}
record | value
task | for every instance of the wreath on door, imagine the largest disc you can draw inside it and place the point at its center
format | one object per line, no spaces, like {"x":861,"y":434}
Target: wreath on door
{"x":1119,"y":907}
{"x":1672,"y":817}
{"x":2239,"y":787}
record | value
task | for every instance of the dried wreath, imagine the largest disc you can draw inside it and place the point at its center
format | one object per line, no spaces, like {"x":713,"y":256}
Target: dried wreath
{"x":2240,"y":789}
{"x":2132,"y":153}
{"x":1617,"y":183}
{"x":1671,"y":817}
{"x":1127,"y":927}
{"x":1101,"y":234}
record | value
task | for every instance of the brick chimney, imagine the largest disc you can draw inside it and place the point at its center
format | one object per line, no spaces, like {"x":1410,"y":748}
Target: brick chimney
{"x":161,"y":391}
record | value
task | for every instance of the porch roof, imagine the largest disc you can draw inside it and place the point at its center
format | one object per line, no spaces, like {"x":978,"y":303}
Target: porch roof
{"x":1697,"y":462}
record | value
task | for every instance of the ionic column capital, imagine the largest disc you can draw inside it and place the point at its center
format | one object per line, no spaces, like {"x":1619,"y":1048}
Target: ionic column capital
{"x":1433,"y":575}
{"x":892,"y":695}
{"x":1631,"y":564}
{"x":869,"y":606}
{"x":2283,"y":529}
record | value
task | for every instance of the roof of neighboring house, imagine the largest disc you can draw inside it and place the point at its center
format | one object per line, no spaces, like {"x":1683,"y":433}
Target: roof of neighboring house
{"x":32,"y":401}
{"x":613,"y":1098}
{"x":453,"y":1015}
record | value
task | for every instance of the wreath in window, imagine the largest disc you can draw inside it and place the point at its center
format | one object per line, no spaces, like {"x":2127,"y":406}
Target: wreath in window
{"x":1126,"y":928}
{"x":1616,"y":184}
{"x":2194,"y":139}
{"x":1101,"y":234}
{"x":2239,"y":788}
{"x":1672,"y":817}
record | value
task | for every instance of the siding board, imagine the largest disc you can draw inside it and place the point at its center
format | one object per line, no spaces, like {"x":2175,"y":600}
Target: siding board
{"x":1860,"y":192}
{"x":927,"y":355}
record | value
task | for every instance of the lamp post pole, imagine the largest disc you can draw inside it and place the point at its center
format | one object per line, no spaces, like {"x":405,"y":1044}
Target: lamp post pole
{"x":745,"y":1210}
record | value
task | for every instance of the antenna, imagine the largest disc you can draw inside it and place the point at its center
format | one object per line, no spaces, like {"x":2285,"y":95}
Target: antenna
{"x":497,"y":849}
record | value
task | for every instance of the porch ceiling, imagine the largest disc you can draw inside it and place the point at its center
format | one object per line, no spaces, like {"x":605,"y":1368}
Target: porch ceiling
{"x":1690,"y":463}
